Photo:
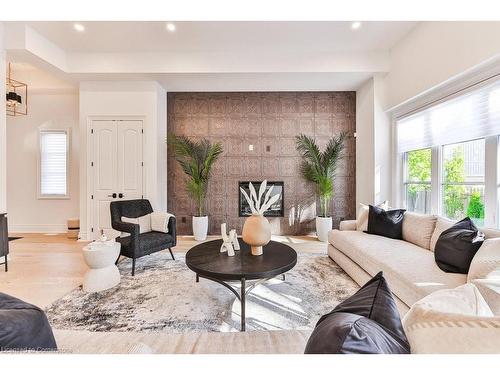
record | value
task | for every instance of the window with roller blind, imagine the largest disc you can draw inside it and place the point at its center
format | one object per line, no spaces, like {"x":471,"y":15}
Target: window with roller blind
{"x":53,"y":166}
{"x":451,"y":157}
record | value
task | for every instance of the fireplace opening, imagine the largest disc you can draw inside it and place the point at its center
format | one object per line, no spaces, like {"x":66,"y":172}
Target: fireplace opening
{"x":276,"y":210}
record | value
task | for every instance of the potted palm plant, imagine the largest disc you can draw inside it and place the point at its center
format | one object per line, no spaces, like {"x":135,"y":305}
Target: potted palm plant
{"x":196,"y":159}
{"x":319,"y":168}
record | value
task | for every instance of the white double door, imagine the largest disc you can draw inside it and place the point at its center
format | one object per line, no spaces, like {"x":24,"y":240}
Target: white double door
{"x":117,"y":166}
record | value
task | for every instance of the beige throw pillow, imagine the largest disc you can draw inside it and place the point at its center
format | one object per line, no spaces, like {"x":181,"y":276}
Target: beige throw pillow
{"x":441,"y":225}
{"x":452,"y":321}
{"x":143,"y":221}
{"x":159,"y":221}
{"x":418,"y":228}
{"x":362,"y":220}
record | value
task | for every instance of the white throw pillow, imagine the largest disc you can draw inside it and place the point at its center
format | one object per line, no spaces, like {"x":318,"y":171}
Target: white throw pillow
{"x":362,"y":220}
{"x":441,"y":225}
{"x":159,"y":221}
{"x":143,"y":221}
{"x":418,"y":228}
{"x":452,"y":321}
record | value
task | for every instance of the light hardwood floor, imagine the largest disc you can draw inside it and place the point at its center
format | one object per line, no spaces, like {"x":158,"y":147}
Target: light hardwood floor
{"x":43,"y":268}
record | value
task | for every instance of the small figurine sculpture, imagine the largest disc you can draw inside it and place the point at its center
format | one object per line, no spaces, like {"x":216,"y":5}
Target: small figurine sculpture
{"x":229,"y":242}
{"x":236,"y":244}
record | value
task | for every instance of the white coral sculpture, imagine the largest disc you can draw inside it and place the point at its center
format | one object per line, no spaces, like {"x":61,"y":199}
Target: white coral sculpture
{"x":256,"y":206}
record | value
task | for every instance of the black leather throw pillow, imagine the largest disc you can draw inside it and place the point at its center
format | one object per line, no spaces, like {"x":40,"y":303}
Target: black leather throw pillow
{"x":457,"y":245}
{"x":366,"y":323}
{"x":23,"y":326}
{"x":385,"y":223}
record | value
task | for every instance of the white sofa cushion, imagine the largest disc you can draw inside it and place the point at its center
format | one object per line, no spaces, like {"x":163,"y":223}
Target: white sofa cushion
{"x":418,"y":228}
{"x":490,"y":233}
{"x":411,"y":270}
{"x":452,"y":321}
{"x":362,"y":219}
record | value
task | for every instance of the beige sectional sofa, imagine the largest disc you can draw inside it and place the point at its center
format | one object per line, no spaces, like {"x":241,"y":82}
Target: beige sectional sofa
{"x":408,"y":264}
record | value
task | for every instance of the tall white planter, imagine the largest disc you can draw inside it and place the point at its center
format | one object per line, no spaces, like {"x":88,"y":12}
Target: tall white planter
{"x":200,"y":227}
{"x":323,"y":226}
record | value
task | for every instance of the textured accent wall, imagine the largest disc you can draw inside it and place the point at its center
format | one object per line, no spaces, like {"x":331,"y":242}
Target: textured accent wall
{"x":268,"y":121}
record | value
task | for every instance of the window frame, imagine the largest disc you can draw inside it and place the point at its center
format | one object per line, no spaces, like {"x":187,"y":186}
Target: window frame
{"x":442,"y":183}
{"x":491,"y":181}
{"x":406,"y":181}
{"x":66,"y":196}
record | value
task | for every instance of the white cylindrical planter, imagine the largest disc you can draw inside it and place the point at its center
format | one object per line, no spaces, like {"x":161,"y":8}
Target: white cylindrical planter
{"x":200,"y":227}
{"x":323,"y":226}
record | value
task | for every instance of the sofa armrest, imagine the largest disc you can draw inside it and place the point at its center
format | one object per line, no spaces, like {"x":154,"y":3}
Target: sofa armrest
{"x":484,"y":272}
{"x":486,"y":262}
{"x":490,"y":290}
{"x":347,"y":225}
{"x":172,"y":230}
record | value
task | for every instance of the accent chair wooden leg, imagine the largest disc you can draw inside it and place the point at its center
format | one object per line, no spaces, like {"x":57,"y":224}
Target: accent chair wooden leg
{"x":6,"y":263}
{"x":172,"y":254}
{"x":133,"y":266}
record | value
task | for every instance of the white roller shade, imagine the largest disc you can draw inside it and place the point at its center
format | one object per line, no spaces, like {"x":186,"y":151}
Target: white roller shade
{"x":473,"y":115}
{"x":53,"y":162}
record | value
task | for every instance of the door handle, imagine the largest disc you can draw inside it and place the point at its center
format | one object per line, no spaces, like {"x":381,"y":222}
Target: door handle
{"x":120,"y":195}
{"x":112,"y":195}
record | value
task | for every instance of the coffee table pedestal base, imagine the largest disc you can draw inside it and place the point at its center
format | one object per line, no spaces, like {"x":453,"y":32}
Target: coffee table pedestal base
{"x":241,"y":295}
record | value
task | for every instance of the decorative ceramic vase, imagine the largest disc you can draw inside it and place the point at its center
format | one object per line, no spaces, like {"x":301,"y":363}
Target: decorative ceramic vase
{"x":200,"y":227}
{"x":323,"y":226}
{"x":256,"y":233}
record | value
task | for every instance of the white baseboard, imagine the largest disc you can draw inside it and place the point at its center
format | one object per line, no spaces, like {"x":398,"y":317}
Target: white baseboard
{"x":38,"y":228}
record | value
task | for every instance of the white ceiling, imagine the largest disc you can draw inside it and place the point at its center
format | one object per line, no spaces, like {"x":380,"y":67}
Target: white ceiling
{"x":223,"y":36}
{"x":211,"y":56}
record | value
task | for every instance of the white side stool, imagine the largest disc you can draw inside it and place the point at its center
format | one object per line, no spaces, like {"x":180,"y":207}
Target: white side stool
{"x":103,"y":273}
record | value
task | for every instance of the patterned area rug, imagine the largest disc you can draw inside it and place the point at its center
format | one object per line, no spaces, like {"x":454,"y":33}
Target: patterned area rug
{"x":163,"y":296}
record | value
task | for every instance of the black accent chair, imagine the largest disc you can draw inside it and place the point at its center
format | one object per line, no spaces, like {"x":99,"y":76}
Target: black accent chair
{"x":138,"y":244}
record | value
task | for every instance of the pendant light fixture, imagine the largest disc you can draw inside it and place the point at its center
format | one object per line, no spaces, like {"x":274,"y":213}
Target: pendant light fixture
{"x":15,"y":91}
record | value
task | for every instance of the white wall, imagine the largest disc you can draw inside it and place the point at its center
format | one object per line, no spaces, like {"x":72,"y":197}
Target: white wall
{"x":121,"y":99}
{"x":373,"y":144}
{"x":3,"y":130}
{"x":383,"y":143}
{"x":365,"y":146}
{"x":27,"y":213}
{"x":434,"y":52}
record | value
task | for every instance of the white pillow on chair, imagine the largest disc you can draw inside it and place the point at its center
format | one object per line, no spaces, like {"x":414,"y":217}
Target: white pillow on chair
{"x":143,"y":221}
{"x":159,"y":221}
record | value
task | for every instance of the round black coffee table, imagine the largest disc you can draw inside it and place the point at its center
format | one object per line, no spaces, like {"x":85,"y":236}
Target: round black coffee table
{"x":208,"y":262}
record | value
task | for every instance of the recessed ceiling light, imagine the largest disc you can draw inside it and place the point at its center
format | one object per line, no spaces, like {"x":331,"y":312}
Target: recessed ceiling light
{"x":79,"y":27}
{"x":356,"y":25}
{"x":170,"y":27}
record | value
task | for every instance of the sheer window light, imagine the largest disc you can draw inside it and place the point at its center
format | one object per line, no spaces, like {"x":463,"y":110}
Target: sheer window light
{"x":53,"y":163}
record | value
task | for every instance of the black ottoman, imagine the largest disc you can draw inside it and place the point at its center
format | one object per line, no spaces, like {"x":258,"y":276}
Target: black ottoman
{"x":23,"y":326}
